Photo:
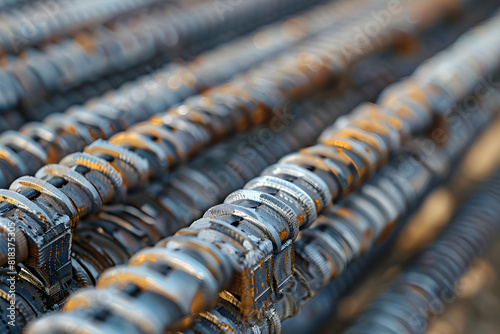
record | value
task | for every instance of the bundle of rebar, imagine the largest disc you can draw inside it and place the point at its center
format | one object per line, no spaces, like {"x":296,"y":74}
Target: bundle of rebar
{"x":216,"y":167}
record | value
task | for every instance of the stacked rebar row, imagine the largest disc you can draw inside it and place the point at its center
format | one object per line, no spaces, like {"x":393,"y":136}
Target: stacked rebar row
{"x":353,"y":227}
{"x":162,"y":29}
{"x":193,"y":129}
{"x":121,"y":230}
{"x":251,"y":234}
{"x":429,"y":282}
{"x":36,"y":144}
{"x":245,"y":257}
{"x":30,"y":24}
{"x":186,"y":194}
{"x":95,"y":125}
